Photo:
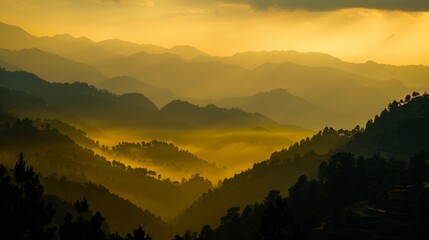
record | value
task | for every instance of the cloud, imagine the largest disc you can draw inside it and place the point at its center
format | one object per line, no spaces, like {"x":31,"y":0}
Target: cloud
{"x":328,"y":5}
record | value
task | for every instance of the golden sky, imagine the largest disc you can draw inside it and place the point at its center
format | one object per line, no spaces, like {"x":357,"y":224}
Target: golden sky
{"x":394,"y":33}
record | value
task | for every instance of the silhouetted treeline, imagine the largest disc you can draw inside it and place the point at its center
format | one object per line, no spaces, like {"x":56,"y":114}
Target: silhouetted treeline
{"x":54,"y":153}
{"x":160,"y":153}
{"x":323,"y":142}
{"x":399,"y":131}
{"x":364,"y":198}
{"x":271,"y":219}
{"x":24,"y":214}
{"x":245,"y":187}
{"x":406,"y":124}
{"x":27,"y":214}
{"x":121,"y":215}
{"x":324,"y":208}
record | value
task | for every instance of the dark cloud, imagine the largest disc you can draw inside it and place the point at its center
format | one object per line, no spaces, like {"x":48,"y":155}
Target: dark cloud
{"x":327,"y":5}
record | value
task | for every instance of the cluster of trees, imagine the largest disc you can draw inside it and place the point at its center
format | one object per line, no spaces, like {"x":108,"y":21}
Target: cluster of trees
{"x":271,"y":219}
{"x":399,"y":131}
{"x":157,"y":152}
{"x":23,"y":131}
{"x":53,"y":153}
{"x":137,"y":170}
{"x":26,"y":214}
{"x":321,"y":143}
{"x":341,"y":182}
{"x":406,"y":100}
{"x":345,"y":180}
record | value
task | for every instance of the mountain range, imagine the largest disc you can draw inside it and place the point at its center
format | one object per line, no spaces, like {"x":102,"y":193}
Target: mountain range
{"x":400,"y":132}
{"x":102,"y":108}
{"x":199,"y":77}
{"x":125,"y":84}
{"x":284,"y":107}
{"x":412,"y":76}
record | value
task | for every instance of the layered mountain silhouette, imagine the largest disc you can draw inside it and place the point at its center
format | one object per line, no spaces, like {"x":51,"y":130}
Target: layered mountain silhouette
{"x":398,"y":132}
{"x":163,"y":156}
{"x":196,"y":76}
{"x":52,"y":67}
{"x":186,"y":52}
{"x":102,"y":107}
{"x":121,"y":215}
{"x":183,"y":77}
{"x":124,"y":84}
{"x":413,"y":76}
{"x":85,"y":115}
{"x":286,"y":108}
{"x":332,"y":89}
{"x":8,"y":66}
{"x":54,"y":153}
{"x":82,"y":49}
{"x":182,"y":111}
{"x":355,"y":96}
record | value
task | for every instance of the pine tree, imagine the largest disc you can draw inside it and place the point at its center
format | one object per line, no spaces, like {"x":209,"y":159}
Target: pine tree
{"x":85,"y":227}
{"x":24,"y":213}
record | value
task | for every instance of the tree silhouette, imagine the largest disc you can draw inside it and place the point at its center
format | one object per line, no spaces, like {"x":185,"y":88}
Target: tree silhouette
{"x":24,"y":214}
{"x":206,"y":233}
{"x":408,"y":98}
{"x":139,"y":234}
{"x":85,"y":226}
{"x":277,"y":222}
{"x":416,"y":94}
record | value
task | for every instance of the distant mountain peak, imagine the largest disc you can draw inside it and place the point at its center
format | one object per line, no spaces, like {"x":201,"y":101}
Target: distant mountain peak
{"x":8,"y":27}
{"x":187,"y":52}
{"x":64,"y":36}
{"x":175,"y":104}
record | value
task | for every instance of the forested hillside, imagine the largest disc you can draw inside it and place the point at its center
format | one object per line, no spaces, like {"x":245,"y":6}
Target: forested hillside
{"x":285,"y":167}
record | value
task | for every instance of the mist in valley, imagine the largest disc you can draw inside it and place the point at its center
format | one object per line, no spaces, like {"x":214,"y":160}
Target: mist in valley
{"x":207,"y":120}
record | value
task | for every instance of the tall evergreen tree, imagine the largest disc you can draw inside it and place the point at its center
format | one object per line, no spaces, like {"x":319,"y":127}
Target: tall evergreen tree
{"x":24,"y":214}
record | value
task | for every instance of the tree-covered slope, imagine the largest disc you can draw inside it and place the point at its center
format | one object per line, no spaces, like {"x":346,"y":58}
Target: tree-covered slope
{"x":403,"y":134}
{"x":54,"y":153}
{"x":101,"y":108}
